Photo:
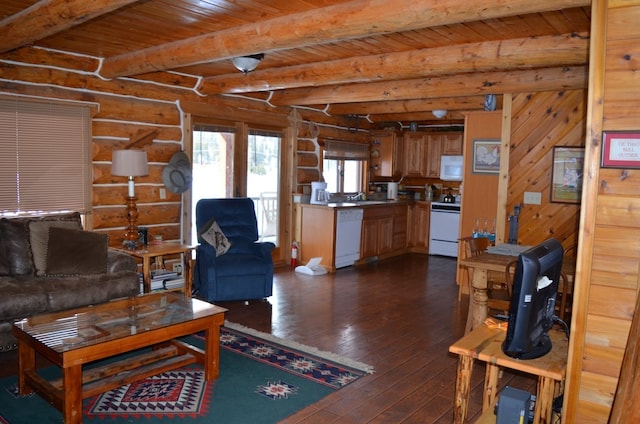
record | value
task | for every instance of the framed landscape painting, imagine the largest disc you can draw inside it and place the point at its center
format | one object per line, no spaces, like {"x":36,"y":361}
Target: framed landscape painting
{"x":567,"y":174}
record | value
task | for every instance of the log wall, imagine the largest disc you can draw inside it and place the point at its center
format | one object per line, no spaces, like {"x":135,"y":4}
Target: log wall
{"x":607,"y":280}
{"x":161,"y":103}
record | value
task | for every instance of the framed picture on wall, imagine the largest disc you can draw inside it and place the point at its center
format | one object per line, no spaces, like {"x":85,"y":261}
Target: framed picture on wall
{"x":621,"y":149}
{"x":486,"y":157}
{"x":567,"y":174}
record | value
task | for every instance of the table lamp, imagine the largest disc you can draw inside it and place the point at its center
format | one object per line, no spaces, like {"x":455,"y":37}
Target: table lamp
{"x":130,"y":163}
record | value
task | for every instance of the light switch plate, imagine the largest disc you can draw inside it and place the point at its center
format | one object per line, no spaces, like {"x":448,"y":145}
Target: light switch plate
{"x":163,"y":193}
{"x":532,"y":198}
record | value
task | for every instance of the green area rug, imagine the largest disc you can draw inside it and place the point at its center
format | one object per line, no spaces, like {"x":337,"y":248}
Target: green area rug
{"x":262,"y":380}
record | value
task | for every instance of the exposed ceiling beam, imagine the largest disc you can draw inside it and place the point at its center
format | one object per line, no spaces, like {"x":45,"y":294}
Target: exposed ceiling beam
{"x":447,"y":86}
{"x":48,"y":17}
{"x":407,"y":106}
{"x":523,"y":53}
{"x":350,"y":20}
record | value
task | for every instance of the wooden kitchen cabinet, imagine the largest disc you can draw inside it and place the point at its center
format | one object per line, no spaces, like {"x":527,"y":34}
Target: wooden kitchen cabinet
{"x":434,"y":151}
{"x":386,"y":154}
{"x":415,"y":150}
{"x":400,"y":213}
{"x":318,"y":235}
{"x":452,"y":143}
{"x":377,"y":231}
{"x":418,"y":227}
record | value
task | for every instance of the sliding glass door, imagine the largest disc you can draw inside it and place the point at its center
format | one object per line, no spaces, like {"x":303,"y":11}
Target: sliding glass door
{"x":215,"y":156}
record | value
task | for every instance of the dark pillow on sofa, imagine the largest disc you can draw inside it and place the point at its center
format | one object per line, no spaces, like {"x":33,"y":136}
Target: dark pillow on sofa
{"x":76,"y":252}
{"x":39,"y":239}
{"x":14,"y":236}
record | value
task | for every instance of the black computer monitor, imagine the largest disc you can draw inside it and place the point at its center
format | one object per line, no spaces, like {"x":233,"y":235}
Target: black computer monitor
{"x":532,"y":308}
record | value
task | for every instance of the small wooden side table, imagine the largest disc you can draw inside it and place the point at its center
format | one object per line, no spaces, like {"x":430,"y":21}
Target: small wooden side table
{"x":160,"y":250}
{"x":485,"y":344}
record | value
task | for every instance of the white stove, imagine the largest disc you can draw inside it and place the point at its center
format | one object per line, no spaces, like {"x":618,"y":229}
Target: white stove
{"x":444,"y":229}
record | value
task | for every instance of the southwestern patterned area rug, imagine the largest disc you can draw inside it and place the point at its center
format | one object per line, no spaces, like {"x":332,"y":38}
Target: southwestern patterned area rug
{"x":263,"y":379}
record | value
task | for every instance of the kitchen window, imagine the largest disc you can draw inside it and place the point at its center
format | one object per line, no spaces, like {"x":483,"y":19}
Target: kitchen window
{"x":343,"y":166}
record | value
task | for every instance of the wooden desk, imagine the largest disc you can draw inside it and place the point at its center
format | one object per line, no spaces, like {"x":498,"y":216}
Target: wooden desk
{"x":485,"y":344}
{"x":158,"y":251}
{"x":480,"y":267}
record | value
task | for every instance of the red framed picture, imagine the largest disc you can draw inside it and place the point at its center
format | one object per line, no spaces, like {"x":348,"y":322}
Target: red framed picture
{"x":621,"y":149}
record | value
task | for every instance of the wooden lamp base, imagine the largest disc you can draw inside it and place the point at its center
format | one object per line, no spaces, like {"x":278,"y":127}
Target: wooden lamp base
{"x":131,"y":237}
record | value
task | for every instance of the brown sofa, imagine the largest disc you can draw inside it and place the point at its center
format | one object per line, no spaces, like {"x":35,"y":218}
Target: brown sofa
{"x":48,"y":263}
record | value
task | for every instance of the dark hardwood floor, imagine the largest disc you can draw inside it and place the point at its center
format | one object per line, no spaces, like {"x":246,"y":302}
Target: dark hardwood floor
{"x":399,"y":315}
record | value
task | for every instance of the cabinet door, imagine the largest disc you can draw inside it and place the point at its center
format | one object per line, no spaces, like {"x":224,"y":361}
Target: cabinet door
{"x":434,"y":151}
{"x":414,"y":154}
{"x":418,"y":227}
{"x":369,"y":238}
{"x":385,"y":235}
{"x":452,"y":144}
{"x":386,"y":155}
{"x":399,"y":228}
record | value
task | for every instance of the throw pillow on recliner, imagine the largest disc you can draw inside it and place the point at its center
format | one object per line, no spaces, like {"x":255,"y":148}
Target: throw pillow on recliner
{"x":212,"y":234}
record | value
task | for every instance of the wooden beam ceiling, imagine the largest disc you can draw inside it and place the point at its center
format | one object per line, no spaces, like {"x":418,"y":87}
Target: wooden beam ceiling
{"x":349,"y":20}
{"x":448,"y":86}
{"x":48,"y":17}
{"x":522,"y":53}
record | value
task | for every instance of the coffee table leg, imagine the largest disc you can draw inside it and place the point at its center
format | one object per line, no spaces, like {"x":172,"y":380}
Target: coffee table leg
{"x":212,"y":352}
{"x":26,"y":363}
{"x":72,"y":384}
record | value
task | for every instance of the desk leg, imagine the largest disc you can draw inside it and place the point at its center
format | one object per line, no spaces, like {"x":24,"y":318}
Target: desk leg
{"x":490,"y":387}
{"x":478,"y":297}
{"x":463,"y":383}
{"x":544,"y":402}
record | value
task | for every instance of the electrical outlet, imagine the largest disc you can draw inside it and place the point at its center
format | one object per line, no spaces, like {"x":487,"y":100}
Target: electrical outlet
{"x":532,"y":198}
{"x":163,"y":193}
{"x":177,"y":268}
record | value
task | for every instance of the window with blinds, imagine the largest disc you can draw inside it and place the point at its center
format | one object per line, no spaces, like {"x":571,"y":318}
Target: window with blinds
{"x":345,"y":150}
{"x":45,"y":163}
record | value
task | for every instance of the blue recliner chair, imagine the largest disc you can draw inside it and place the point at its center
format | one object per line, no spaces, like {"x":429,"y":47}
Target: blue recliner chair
{"x":245,"y":271}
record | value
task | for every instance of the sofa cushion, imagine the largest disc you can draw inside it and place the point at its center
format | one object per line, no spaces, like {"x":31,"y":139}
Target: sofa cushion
{"x":15,"y":240}
{"x":39,"y":239}
{"x":212,"y":234}
{"x":76,"y":252}
{"x":14,"y":236}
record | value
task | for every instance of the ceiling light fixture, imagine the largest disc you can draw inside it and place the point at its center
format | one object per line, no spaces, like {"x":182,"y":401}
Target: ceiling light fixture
{"x":440,"y":113}
{"x":247,"y":63}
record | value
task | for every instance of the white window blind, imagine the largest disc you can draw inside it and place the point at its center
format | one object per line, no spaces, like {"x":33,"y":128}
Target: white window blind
{"x":44,"y":157}
{"x":345,"y":150}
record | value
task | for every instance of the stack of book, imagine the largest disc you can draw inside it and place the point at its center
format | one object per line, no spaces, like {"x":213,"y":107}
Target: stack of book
{"x":162,"y":279}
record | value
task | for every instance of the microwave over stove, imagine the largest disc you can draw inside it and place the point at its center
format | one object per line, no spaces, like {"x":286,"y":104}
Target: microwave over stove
{"x":451,"y":168}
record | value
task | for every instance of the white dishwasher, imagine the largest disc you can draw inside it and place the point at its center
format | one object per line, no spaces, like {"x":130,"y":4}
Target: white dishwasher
{"x":348,"y":229}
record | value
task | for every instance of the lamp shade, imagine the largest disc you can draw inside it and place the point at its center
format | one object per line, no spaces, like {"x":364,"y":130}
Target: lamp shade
{"x":129,"y":163}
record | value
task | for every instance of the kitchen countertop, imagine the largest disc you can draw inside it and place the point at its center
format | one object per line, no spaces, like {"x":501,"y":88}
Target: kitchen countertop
{"x":363,"y":203}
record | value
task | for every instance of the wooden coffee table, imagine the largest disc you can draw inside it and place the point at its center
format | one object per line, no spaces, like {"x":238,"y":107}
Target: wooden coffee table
{"x":75,"y":337}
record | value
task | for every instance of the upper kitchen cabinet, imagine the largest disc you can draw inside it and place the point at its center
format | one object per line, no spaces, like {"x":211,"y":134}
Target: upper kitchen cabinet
{"x":386,"y":155}
{"x":452,"y":143}
{"x":441,"y":144}
{"x":415,"y":152}
{"x":422,"y":152}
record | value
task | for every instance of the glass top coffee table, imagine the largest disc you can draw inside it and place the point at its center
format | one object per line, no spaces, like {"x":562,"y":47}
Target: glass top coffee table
{"x":80,"y":336}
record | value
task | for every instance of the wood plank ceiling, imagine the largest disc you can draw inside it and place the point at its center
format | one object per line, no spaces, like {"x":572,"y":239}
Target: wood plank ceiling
{"x":388,"y":60}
